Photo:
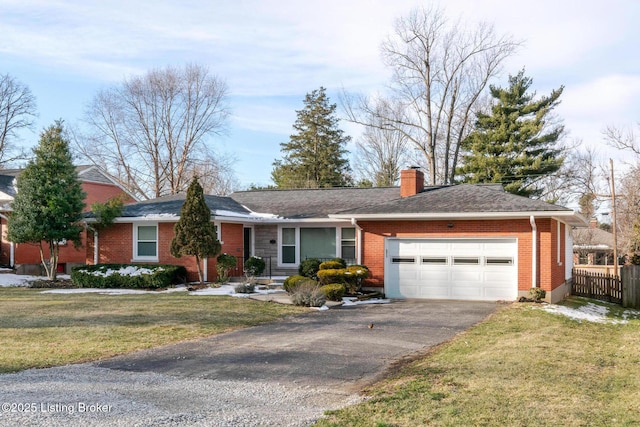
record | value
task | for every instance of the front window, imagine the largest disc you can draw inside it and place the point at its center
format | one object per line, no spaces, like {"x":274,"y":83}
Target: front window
{"x":323,"y":243}
{"x":146,"y":242}
{"x":317,"y":243}
{"x":288,"y":245}
{"x":348,"y":244}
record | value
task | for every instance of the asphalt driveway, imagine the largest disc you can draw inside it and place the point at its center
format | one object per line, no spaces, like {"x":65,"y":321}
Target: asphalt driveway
{"x":340,"y":348}
{"x":282,"y":374}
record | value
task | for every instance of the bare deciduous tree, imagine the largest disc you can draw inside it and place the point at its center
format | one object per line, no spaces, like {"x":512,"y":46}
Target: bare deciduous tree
{"x":628,"y":211}
{"x":216,"y":175}
{"x":380,"y":152}
{"x":17,"y":111}
{"x":150,"y":130}
{"x":621,"y":138}
{"x":440,"y":70}
{"x":581,"y":179}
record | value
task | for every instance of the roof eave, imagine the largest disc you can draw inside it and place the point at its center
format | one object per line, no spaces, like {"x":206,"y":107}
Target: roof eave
{"x":569,"y":217}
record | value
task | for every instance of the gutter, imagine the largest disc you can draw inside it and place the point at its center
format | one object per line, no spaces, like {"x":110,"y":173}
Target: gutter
{"x":569,"y":217}
{"x":534,"y":252}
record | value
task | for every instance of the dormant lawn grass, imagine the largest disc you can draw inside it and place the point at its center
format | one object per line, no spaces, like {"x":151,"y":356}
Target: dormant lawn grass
{"x":40,"y":330}
{"x":521,"y":367}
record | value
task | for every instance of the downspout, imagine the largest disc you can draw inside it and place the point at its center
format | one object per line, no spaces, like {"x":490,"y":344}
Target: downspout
{"x":358,"y":240}
{"x":95,"y":247}
{"x":205,"y":273}
{"x":534,"y":252}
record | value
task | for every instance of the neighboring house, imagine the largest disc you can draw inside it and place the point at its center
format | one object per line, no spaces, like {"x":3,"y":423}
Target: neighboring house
{"x":592,"y":246}
{"x":98,"y":186}
{"x":473,"y":242}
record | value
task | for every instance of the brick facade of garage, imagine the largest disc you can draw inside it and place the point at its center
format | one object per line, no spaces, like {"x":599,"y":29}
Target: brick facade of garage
{"x":550,"y":273}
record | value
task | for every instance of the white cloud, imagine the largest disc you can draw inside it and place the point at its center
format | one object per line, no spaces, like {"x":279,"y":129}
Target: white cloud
{"x":272,"y":52}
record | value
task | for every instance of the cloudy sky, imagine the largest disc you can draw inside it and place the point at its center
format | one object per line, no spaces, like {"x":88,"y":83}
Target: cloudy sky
{"x":273,"y":52}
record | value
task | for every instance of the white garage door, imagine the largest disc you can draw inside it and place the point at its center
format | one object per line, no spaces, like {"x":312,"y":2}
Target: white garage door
{"x":468,"y":269}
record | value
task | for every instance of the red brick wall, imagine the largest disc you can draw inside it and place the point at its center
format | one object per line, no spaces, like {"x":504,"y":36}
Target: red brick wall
{"x":26,"y":253}
{"x":550,"y":274}
{"x":115,"y":245}
{"x":97,"y":192}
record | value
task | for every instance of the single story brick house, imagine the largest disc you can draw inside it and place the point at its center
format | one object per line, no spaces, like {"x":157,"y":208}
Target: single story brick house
{"x":473,"y":242}
{"x":98,"y":186}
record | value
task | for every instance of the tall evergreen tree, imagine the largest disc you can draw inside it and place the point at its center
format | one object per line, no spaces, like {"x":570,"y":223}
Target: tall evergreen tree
{"x":47,"y":209}
{"x":516,"y":144}
{"x":194,"y":233}
{"x":315,"y":155}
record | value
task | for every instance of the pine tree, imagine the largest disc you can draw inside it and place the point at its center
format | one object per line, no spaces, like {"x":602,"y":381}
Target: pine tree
{"x":314,"y":157}
{"x":47,"y":209}
{"x":514,"y":145}
{"x":194,"y":233}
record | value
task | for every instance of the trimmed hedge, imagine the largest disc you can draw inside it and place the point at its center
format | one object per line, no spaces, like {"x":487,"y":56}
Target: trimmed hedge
{"x":333,"y":291}
{"x":146,"y":276}
{"x":334,"y":264}
{"x":331,"y":275}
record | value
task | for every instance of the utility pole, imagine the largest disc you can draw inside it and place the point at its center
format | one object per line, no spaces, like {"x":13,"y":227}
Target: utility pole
{"x":613,"y":221}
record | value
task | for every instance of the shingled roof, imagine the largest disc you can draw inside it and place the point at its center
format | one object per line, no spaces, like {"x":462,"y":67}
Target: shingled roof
{"x":170,"y":206}
{"x":458,"y":198}
{"x":313,"y":203}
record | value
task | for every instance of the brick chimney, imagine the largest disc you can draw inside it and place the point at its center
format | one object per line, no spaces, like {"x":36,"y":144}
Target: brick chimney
{"x":593,"y":223}
{"x":411,"y":182}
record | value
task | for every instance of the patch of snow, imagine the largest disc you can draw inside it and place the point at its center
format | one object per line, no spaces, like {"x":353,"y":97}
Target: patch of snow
{"x":230,"y":290}
{"x":113,"y":291}
{"x":589,"y":312}
{"x":16,"y":280}
{"x":130,"y":270}
{"x":349,"y":301}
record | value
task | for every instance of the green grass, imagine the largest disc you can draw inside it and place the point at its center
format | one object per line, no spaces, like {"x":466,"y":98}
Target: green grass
{"x":521,"y":367}
{"x":40,"y":330}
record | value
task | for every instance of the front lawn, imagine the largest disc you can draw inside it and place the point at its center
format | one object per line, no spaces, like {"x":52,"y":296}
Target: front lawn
{"x":40,"y":330}
{"x":521,"y":367}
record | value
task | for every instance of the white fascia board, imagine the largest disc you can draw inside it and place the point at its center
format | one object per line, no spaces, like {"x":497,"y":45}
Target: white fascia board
{"x":569,"y":217}
{"x":150,"y":218}
{"x":324,"y":220}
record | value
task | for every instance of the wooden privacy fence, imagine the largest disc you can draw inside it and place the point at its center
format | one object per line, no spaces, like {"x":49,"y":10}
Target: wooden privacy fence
{"x":631,"y":286}
{"x":605,"y":287}
{"x":624,"y":290}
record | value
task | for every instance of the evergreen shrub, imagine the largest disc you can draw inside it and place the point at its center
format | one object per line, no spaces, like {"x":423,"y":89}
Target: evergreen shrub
{"x":333,"y":291}
{"x":309,"y":267}
{"x":326,"y":276}
{"x":137,"y":276}
{"x":333,"y":264}
{"x":225,"y":263}
{"x":254,"y":266}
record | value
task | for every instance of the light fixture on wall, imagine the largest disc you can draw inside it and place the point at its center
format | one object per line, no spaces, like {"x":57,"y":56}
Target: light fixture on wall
{"x":450,"y":225}
{"x":272,"y":241}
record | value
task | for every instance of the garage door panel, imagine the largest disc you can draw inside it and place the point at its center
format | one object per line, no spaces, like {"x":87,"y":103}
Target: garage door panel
{"x":459,"y":275}
{"x":473,"y":269}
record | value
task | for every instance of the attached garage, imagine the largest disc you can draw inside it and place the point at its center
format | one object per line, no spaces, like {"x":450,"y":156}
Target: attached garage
{"x":463,"y":268}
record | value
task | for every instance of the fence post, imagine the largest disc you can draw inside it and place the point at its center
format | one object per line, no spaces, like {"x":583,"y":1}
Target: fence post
{"x":630,"y":286}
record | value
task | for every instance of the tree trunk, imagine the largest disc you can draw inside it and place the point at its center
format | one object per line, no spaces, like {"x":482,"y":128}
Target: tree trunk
{"x":199,"y":270}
